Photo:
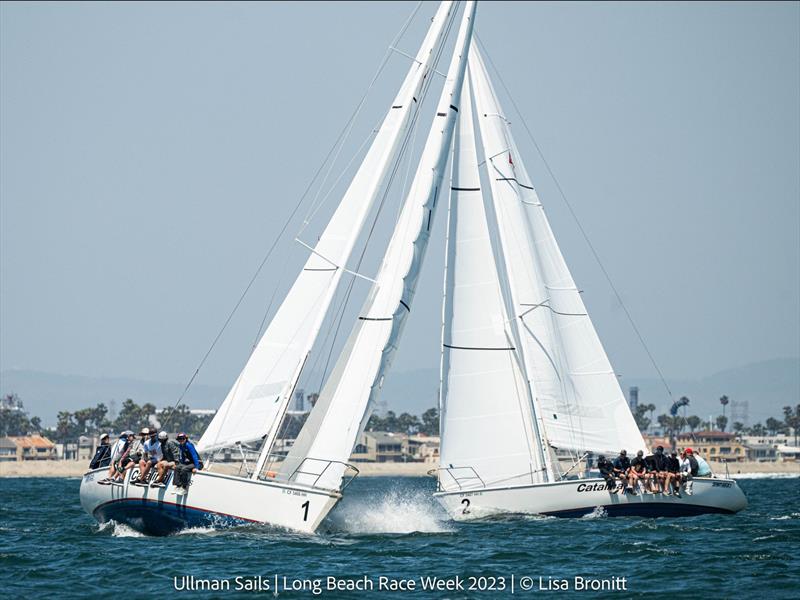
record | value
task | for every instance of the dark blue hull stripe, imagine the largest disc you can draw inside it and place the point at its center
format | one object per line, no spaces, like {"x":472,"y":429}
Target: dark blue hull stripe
{"x":158,"y":517}
{"x":644,"y":509}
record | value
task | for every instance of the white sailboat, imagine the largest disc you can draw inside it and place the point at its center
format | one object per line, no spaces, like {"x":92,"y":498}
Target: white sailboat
{"x":525,"y":378}
{"x":309,"y":482}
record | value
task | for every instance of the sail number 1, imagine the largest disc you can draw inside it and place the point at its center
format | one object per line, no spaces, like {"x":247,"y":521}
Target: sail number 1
{"x":305,"y":506}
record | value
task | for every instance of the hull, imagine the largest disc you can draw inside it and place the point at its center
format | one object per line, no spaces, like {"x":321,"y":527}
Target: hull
{"x":582,"y":497}
{"x":213,"y":500}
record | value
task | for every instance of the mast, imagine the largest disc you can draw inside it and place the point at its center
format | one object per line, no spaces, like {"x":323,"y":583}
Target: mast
{"x":343,"y":407}
{"x":257,"y":401}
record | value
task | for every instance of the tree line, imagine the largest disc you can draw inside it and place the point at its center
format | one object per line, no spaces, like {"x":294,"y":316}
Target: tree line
{"x":675,"y":424}
{"x":427,"y":424}
{"x":88,"y":421}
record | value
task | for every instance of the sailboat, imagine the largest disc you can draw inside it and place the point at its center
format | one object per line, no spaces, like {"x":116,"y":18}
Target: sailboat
{"x":298,"y":490}
{"x":523,"y":372}
{"x":526,"y":386}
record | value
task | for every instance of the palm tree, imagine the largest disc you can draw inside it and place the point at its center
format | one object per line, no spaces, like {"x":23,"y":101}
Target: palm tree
{"x":693,"y":422}
{"x":724,"y":401}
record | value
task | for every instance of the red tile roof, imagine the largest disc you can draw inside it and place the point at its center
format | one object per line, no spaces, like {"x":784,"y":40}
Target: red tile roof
{"x":32,"y":441}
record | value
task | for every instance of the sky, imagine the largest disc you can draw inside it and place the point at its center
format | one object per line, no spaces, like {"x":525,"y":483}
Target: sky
{"x":151,"y":153}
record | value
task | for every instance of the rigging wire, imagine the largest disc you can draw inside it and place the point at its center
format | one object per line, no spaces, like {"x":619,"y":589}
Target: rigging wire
{"x":351,"y":122}
{"x":576,"y":219}
{"x":341,"y":138}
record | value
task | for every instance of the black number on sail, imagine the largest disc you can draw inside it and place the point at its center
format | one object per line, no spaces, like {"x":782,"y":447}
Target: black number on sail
{"x":305,"y":506}
{"x":465,"y":502}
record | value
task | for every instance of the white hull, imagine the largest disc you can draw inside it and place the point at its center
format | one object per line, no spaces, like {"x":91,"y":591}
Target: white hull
{"x":579,"y":497}
{"x":212,"y":500}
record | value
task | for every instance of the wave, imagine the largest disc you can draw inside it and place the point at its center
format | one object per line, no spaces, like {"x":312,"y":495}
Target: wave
{"x":764,"y":475}
{"x":197,"y":531}
{"x":124,"y":531}
{"x":794,"y":515}
{"x":598,"y":513}
{"x":394,"y":513}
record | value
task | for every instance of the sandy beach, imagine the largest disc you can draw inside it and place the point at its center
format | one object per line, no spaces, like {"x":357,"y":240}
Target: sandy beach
{"x":70,"y":468}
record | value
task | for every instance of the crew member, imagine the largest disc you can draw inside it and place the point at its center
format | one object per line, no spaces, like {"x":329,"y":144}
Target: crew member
{"x":170,"y":454}
{"x":102,"y":456}
{"x":622,"y":465}
{"x":188,"y":463}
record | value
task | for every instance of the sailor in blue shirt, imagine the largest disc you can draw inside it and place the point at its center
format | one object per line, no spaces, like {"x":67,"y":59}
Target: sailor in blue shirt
{"x":188,"y":462}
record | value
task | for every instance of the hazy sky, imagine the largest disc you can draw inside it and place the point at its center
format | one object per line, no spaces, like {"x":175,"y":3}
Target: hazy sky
{"x":151,"y":152}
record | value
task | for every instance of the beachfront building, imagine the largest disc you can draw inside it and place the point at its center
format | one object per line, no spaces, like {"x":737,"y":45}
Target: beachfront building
{"x":717,"y":446}
{"x":424,"y":448}
{"x":770,"y":448}
{"x":27,"y":447}
{"x":386,"y":446}
{"x":8,"y":450}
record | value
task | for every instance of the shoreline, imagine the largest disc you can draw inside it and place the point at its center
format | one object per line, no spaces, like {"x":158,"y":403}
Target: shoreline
{"x":72,"y":468}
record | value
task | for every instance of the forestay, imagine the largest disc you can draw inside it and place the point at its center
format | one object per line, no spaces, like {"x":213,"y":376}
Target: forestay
{"x":344,"y":404}
{"x":255,"y":404}
{"x":486,"y":422}
{"x":577,"y":395}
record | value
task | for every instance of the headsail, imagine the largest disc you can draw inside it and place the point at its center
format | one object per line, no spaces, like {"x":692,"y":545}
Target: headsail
{"x":257,"y":401}
{"x":577,"y":395}
{"x":343,"y":407}
{"x":486,"y":421}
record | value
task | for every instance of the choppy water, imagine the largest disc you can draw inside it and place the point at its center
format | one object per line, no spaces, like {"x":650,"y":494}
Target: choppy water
{"x":391,"y":527}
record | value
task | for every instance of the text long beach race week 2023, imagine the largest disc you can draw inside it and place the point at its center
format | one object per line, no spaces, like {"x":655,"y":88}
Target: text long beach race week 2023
{"x":278,"y":584}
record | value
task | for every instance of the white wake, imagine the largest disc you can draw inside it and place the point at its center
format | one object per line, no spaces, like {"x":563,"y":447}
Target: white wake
{"x":396,"y":512}
{"x":764,"y":475}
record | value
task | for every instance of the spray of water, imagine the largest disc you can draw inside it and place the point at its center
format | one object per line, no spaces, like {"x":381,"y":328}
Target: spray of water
{"x":598,"y":513}
{"x":397,"y":511}
{"x":122,"y":530}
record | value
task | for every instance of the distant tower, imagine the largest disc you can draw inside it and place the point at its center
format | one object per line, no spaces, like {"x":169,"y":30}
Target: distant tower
{"x":312,"y":399}
{"x":633,"y":397}
{"x":739,"y":412}
{"x":299,"y":395}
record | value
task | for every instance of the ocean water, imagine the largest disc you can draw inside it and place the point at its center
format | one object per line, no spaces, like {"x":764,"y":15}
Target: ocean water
{"x":391,"y":528}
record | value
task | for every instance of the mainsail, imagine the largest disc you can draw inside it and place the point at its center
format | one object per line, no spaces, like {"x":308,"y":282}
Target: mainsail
{"x":255,"y":404}
{"x":486,"y":421}
{"x":577,"y":397}
{"x":328,"y":437}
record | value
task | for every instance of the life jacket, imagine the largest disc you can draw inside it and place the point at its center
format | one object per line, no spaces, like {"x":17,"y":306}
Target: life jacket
{"x":102,"y":453}
{"x":693,"y":463}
